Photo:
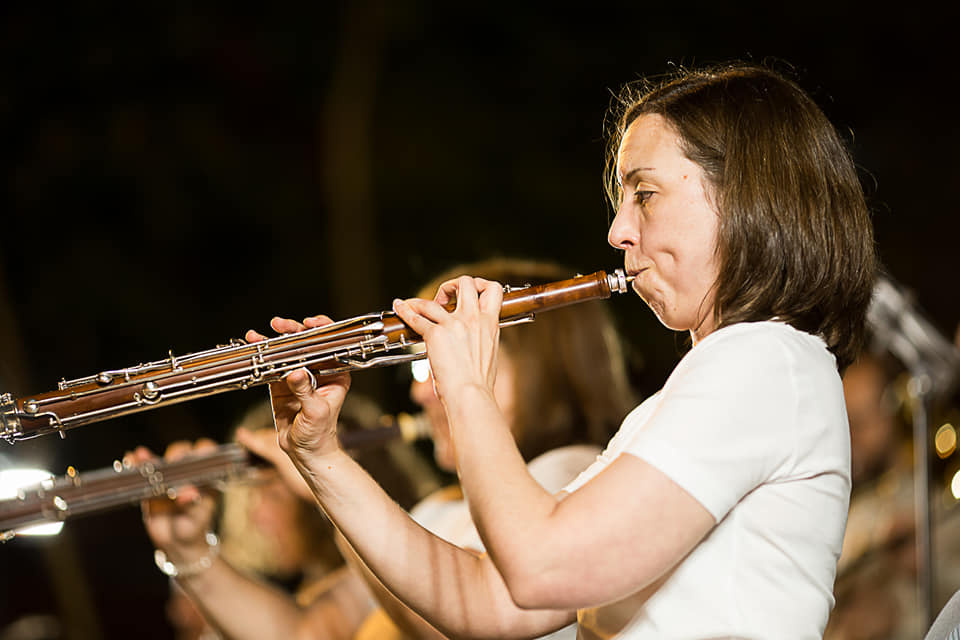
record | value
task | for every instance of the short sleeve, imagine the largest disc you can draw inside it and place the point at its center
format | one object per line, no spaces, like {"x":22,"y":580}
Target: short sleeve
{"x":726,"y":421}
{"x":556,"y":468}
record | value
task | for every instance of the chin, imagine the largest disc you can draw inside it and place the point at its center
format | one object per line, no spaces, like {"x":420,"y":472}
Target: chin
{"x":658,"y":310}
{"x":671,"y":323}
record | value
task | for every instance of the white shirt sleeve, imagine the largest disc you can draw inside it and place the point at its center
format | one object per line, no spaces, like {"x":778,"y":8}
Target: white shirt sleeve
{"x":726,"y":421}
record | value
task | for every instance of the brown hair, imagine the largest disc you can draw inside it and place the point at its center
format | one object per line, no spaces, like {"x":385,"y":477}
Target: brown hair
{"x":571,"y":380}
{"x":795,"y":239}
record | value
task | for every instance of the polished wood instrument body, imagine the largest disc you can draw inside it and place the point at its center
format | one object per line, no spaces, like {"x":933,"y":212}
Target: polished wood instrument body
{"x":75,"y":494}
{"x":372,"y":340}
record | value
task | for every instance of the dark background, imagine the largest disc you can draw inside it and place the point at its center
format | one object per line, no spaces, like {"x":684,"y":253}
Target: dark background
{"x":173,"y":176}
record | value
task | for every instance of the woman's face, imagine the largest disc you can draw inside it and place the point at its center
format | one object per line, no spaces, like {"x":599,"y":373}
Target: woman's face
{"x":422,"y":392}
{"x":667,"y":226}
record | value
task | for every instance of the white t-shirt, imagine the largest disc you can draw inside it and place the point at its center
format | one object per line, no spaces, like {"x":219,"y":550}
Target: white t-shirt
{"x":752,"y":424}
{"x":446,"y":514}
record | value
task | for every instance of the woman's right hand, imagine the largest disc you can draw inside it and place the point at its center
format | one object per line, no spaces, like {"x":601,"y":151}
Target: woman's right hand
{"x":305,"y":410}
{"x":178,"y":526}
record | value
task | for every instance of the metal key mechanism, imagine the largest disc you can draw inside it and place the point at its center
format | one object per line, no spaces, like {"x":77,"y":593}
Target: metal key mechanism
{"x":364,"y":342}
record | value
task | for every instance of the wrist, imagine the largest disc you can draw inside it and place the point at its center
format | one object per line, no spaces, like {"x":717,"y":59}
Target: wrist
{"x":316,"y":468}
{"x":469,"y":400}
{"x":302,"y":448}
{"x":184,"y":563}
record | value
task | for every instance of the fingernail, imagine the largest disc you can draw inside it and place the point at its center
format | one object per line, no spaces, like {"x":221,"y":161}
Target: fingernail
{"x":397,"y":302}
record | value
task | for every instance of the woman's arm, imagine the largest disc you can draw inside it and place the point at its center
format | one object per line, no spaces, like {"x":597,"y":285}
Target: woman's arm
{"x":613,"y":537}
{"x":264,"y":444}
{"x":237,"y":605}
{"x":240,"y":607}
{"x":617,"y":534}
{"x":339,"y":610}
{"x":402,"y":616}
{"x":460,"y":593}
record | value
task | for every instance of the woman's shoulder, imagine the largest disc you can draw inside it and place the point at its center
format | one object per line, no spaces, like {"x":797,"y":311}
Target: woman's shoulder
{"x":773,"y":329}
{"x":770,"y":339}
{"x":757,"y":358}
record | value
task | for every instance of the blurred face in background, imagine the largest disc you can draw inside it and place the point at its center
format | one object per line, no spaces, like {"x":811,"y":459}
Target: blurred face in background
{"x":262,"y":528}
{"x":422,"y":392}
{"x":872,"y":422}
{"x":275,"y":514}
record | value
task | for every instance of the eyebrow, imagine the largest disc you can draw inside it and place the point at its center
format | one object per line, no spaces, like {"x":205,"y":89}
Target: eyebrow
{"x":633,"y":172}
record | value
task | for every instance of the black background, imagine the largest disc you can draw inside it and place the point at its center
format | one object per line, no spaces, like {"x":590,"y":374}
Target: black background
{"x":173,"y":176}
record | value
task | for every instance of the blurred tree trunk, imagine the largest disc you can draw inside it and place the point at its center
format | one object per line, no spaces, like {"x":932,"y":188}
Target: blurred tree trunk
{"x":346,"y":165}
{"x":345,"y":147}
{"x":12,"y":367}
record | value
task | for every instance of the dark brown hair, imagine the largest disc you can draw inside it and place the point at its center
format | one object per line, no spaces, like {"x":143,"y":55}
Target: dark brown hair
{"x":570,"y":371}
{"x":795,"y":239}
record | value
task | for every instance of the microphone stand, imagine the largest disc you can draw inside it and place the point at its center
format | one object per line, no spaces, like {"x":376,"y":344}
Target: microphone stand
{"x":919,"y":388}
{"x":933,"y":363}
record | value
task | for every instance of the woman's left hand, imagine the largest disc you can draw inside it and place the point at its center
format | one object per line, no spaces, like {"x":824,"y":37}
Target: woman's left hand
{"x":305,"y":409}
{"x":461,"y":344}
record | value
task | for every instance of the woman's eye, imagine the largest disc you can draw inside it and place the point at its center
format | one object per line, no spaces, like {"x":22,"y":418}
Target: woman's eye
{"x":642,"y":196}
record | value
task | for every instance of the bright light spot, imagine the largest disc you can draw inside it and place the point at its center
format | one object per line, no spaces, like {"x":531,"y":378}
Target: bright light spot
{"x":946,"y":440}
{"x":11,"y":480}
{"x":955,"y":485}
{"x":48,"y":529}
{"x":420,"y":370}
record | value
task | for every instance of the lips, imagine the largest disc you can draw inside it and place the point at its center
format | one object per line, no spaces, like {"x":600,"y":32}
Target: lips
{"x":634,"y":273}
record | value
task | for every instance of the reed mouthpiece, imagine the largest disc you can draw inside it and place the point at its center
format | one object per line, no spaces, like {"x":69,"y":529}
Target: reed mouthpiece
{"x":618,"y":281}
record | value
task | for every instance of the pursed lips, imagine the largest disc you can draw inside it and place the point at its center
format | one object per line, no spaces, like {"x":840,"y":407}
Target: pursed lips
{"x":634,"y":273}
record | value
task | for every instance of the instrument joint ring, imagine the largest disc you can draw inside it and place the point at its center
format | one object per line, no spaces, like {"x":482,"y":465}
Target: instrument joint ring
{"x":312,"y":378}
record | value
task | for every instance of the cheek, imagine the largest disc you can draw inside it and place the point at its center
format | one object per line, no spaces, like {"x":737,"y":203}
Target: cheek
{"x":686,"y":267}
{"x":698,"y":243}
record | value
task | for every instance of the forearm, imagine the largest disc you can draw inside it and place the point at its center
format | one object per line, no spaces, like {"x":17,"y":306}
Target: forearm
{"x":343,"y":603}
{"x":617,"y":534}
{"x":404,"y":618}
{"x":240,"y":607}
{"x":512,"y":512}
{"x":458,"y":592}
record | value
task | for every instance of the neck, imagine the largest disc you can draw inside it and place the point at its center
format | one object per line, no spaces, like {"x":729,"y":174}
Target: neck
{"x":705,"y":328}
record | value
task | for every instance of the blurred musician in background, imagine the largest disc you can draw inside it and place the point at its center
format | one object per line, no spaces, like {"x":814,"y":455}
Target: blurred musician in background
{"x":877,"y":580}
{"x":876,"y":575}
{"x":272,"y":541}
{"x":562,"y":382}
{"x":266,"y":531}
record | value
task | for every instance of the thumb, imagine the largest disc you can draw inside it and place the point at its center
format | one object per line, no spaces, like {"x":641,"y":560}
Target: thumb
{"x":259,"y":444}
{"x":301,"y":382}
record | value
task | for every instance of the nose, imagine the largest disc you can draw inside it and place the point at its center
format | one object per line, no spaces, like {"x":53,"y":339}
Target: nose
{"x":623,"y":234}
